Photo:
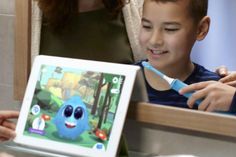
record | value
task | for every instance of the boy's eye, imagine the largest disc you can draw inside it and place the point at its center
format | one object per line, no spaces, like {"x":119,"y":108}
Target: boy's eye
{"x":171,"y":29}
{"x":146,"y":26}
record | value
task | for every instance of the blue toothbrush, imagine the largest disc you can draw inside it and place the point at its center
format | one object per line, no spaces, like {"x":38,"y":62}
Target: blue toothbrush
{"x":175,"y":84}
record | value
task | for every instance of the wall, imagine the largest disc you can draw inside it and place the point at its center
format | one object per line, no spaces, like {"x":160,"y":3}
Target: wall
{"x":162,"y":140}
{"x":7,"y":16}
{"x":219,"y":47}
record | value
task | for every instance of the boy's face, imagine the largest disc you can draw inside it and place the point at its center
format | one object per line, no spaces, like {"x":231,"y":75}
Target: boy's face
{"x":167,"y":33}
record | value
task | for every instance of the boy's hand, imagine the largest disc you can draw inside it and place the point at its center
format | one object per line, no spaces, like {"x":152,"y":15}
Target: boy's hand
{"x":222,"y":71}
{"x":216,"y":96}
{"x":228,"y":77}
{"x":6,"y":126}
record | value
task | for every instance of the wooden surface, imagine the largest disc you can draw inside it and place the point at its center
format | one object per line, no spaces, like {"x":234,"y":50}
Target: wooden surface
{"x":214,"y":123}
{"x":22,"y":47}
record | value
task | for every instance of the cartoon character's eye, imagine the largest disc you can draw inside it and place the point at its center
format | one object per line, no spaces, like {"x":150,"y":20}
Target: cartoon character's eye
{"x":78,"y":112}
{"x":68,"y":111}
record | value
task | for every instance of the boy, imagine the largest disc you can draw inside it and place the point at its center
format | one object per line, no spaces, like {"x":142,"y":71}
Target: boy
{"x":168,"y":32}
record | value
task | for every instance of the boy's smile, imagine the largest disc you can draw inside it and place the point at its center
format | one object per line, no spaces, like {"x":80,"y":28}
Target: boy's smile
{"x":156,"y":52}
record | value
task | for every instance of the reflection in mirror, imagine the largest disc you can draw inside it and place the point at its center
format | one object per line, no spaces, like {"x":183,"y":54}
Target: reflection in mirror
{"x":145,"y":112}
{"x":169,"y":50}
{"x":204,"y":53}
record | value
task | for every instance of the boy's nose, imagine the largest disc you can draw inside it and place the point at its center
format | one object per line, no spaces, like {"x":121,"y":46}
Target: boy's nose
{"x":156,"y":38}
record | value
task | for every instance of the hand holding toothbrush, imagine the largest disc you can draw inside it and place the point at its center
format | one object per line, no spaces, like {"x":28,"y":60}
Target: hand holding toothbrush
{"x":217,"y":96}
{"x":175,"y":84}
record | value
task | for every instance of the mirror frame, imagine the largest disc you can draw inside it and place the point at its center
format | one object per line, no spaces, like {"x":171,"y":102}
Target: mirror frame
{"x":213,"y":123}
{"x":22,"y":61}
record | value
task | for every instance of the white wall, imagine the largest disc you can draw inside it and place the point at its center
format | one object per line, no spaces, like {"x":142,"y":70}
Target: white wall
{"x":7,"y":16}
{"x":219,"y":47}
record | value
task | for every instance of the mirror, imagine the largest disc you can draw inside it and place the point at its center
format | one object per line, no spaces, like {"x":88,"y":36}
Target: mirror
{"x":144,"y":112}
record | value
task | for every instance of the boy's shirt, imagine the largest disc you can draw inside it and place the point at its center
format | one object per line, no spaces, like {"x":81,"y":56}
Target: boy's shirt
{"x":173,"y":98}
{"x":233,"y":105}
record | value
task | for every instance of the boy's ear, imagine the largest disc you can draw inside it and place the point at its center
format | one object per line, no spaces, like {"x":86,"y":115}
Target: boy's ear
{"x":203,"y":28}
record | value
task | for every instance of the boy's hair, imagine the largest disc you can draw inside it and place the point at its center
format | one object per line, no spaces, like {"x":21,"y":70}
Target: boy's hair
{"x":197,"y":8}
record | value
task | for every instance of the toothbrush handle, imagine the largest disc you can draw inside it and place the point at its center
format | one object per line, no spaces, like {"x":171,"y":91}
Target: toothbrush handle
{"x":177,"y":85}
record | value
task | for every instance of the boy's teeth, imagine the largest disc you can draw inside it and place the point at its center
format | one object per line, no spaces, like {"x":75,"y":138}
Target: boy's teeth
{"x":157,"y":52}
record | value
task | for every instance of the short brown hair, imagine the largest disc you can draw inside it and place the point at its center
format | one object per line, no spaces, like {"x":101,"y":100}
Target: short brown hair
{"x":197,"y":8}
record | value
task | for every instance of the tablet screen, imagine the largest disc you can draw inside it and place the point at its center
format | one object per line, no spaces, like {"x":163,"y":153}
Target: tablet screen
{"x":74,"y":106}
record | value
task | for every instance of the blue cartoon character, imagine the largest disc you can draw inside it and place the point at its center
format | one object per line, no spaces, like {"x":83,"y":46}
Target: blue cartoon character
{"x":72,"y":118}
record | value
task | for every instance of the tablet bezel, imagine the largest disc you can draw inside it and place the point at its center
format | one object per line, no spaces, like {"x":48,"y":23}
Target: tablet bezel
{"x":129,"y":71}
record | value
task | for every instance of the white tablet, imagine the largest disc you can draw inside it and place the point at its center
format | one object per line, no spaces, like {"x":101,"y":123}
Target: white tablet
{"x":75,"y":107}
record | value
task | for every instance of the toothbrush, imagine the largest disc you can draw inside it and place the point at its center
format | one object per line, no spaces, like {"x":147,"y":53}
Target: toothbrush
{"x":175,"y":84}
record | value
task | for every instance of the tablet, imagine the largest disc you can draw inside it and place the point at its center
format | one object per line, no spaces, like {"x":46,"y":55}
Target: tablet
{"x":75,"y":107}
